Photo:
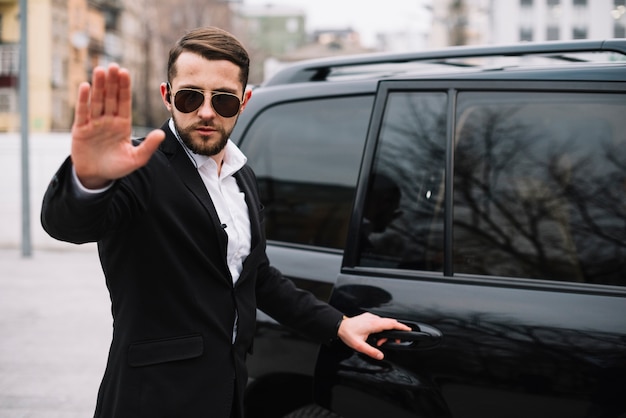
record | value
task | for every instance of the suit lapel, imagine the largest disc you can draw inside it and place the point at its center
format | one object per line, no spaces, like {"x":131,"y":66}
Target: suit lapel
{"x":188,"y":173}
{"x":246,"y":182}
{"x":183,"y":166}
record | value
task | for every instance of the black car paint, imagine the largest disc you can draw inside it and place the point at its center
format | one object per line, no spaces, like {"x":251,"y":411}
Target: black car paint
{"x":508,"y":347}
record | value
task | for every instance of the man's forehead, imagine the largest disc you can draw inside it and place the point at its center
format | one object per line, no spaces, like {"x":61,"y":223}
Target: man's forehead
{"x":193,"y":70}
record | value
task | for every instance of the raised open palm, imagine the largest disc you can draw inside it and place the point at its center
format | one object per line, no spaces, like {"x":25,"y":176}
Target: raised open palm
{"x":102,"y":150}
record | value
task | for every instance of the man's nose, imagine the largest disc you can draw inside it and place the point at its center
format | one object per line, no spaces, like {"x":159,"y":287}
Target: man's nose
{"x":205,"y":111}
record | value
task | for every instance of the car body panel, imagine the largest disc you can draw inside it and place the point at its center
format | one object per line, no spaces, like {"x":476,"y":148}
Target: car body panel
{"x":495,"y":345}
{"x":506,"y":350}
{"x":510,"y":346}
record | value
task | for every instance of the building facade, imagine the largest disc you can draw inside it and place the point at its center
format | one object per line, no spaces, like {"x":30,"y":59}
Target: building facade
{"x":473,"y":22}
{"x":551,"y":20}
{"x":9,"y":64}
{"x":269,"y":31}
{"x":68,"y":38}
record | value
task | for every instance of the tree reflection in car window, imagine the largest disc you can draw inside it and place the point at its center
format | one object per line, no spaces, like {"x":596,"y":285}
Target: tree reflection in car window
{"x":407,"y":181}
{"x":539,"y":186}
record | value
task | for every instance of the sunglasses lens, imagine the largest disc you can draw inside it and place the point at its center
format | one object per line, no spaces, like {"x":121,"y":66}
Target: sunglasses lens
{"x":187,"y":101}
{"x":226,"y":105}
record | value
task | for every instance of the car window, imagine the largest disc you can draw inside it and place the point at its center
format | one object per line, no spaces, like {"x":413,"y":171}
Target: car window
{"x":540,"y":186}
{"x":402,"y":224}
{"x":306,"y":156}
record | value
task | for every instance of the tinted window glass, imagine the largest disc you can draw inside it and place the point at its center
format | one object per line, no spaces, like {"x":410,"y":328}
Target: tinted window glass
{"x":307,"y":156}
{"x":402,"y":225}
{"x":540,"y":186}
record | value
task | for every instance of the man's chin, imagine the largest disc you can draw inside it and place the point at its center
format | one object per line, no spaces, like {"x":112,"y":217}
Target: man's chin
{"x":206,"y":147}
{"x":200,"y":144}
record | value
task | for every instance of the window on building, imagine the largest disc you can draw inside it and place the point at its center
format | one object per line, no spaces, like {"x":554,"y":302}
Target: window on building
{"x":292,"y":25}
{"x":579,"y":33}
{"x":57,"y":73}
{"x":619,"y":30}
{"x":526,"y":3}
{"x":555,"y":13}
{"x":7,"y":100}
{"x":526,"y":34}
{"x":580,"y":15}
{"x":9,"y":59}
{"x":552,"y":33}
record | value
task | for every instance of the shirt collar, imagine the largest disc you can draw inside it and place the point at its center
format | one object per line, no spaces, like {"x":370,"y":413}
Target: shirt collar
{"x":234,"y":159}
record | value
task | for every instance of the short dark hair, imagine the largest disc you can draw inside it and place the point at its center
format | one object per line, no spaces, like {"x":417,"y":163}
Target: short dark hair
{"x":212,"y":44}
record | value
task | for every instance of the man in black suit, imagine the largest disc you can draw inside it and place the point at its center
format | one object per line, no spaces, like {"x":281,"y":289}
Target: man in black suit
{"x":179,"y":228}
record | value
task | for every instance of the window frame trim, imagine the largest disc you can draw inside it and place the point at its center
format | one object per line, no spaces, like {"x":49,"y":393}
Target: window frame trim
{"x":453,"y":88}
{"x":242,"y":137}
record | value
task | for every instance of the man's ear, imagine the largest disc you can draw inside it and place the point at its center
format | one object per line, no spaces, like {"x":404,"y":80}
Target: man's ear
{"x":166,"y":95}
{"x":246,"y":96}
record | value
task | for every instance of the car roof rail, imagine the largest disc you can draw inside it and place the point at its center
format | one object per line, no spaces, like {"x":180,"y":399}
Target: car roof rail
{"x":320,"y":69}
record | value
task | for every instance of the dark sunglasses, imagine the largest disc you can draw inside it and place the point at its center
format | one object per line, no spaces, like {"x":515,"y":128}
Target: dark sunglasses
{"x":225,"y":104}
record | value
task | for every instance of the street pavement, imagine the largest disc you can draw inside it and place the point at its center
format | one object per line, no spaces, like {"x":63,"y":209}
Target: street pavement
{"x":55,"y":329}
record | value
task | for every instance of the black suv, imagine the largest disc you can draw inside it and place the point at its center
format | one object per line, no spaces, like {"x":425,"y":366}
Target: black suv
{"x":477,"y":194}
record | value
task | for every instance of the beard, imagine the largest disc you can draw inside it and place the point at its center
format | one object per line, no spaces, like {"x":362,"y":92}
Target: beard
{"x":203,"y":144}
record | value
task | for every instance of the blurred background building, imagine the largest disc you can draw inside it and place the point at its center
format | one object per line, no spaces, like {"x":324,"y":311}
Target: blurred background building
{"x":68,"y":38}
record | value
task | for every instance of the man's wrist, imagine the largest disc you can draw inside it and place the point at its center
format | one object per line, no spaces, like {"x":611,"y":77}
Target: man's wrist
{"x":85,"y":191}
{"x":339,"y":325}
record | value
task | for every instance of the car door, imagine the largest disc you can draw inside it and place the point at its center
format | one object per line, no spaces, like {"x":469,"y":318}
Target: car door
{"x":287,"y":136}
{"x":491,"y":217}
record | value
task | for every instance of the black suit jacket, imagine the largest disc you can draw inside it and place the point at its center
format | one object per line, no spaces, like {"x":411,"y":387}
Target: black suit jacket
{"x":163,"y":253}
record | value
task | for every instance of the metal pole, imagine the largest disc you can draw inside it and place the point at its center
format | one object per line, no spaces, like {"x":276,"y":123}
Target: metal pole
{"x":24,"y":122}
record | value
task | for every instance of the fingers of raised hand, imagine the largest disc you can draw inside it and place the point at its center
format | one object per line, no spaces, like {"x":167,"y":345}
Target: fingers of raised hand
{"x":112,"y":89}
{"x":82,"y":111}
{"x":110,"y":93}
{"x":124,"y":96}
{"x":96,"y":99}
